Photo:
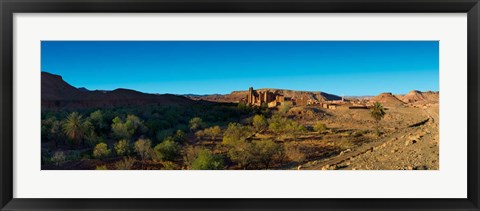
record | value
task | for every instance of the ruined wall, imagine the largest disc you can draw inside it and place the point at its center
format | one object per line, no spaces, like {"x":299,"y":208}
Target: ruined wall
{"x":258,"y":98}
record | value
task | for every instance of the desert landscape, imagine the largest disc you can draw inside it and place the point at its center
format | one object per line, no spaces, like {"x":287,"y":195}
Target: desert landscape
{"x":264,"y":128}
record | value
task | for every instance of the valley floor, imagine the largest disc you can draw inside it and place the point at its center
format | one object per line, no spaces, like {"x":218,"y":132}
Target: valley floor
{"x":409,"y":140}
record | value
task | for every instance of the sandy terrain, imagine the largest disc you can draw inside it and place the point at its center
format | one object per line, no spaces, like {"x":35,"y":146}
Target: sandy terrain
{"x":410,"y":141}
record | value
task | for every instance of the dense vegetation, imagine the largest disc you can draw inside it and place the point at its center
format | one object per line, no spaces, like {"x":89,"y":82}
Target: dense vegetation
{"x":200,"y":137}
{"x":165,"y":137}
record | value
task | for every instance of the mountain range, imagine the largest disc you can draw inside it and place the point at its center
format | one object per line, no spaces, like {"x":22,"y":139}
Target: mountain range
{"x":56,"y":94}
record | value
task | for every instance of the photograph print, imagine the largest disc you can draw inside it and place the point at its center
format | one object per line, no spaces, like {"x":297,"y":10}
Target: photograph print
{"x":239,"y":105}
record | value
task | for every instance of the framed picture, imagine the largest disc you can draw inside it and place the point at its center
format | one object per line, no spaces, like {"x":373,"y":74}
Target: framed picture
{"x":254,"y":105}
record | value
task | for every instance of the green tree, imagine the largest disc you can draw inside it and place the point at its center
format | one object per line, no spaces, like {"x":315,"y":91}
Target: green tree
{"x":239,"y":150}
{"x":168,"y":150}
{"x":266,"y":151}
{"x":236,"y":133}
{"x":260,"y":123}
{"x":277,"y":124}
{"x":206,"y":160}
{"x":91,"y":136}
{"x":101,"y":150}
{"x":196,"y":123}
{"x":213,"y":132}
{"x":119,"y":129}
{"x":128,"y":128}
{"x":190,"y":153}
{"x":74,"y":128}
{"x":52,"y":130}
{"x":282,"y":125}
{"x":242,"y":153}
{"x":56,"y":134}
{"x":98,"y":121}
{"x":143,"y":148}
{"x":135,"y":125}
{"x":377,"y":112}
{"x":122,"y":147}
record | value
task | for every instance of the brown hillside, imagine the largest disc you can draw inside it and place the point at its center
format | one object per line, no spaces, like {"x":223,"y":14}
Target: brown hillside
{"x":55,"y":88}
{"x":416,"y":96}
{"x":387,"y":99}
{"x":56,"y":93}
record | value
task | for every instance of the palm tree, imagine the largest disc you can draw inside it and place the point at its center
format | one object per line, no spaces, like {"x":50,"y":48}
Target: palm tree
{"x":377,"y":112}
{"x":74,"y":128}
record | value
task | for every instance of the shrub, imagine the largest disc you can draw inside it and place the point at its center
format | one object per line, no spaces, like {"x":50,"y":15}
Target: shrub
{"x":143,"y":148}
{"x":125,"y":164}
{"x":320,"y":127}
{"x":343,"y":143}
{"x":190,"y":153}
{"x":102,"y":167}
{"x":101,"y":150}
{"x":122,"y":147}
{"x":206,"y":160}
{"x":259,"y":122}
{"x":293,"y":152}
{"x":168,"y":150}
{"x":168,"y":165}
{"x":58,"y":157}
{"x":212,"y":132}
{"x":196,"y":123}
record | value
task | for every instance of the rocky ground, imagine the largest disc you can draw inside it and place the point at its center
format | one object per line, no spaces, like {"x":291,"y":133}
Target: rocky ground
{"x":410,"y":143}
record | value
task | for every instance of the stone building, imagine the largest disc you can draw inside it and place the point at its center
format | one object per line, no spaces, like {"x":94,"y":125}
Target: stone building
{"x":269,"y":98}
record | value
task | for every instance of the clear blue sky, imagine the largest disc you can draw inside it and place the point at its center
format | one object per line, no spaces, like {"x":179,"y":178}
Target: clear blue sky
{"x":207,"y":67}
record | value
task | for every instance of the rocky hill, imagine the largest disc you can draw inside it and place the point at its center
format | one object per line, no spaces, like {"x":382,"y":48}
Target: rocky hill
{"x":387,"y":99}
{"x":416,"y":96}
{"x":56,"y":94}
{"x":413,"y":97}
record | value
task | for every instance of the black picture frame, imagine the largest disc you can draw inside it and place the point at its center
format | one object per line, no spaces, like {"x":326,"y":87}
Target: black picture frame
{"x":9,"y":7}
